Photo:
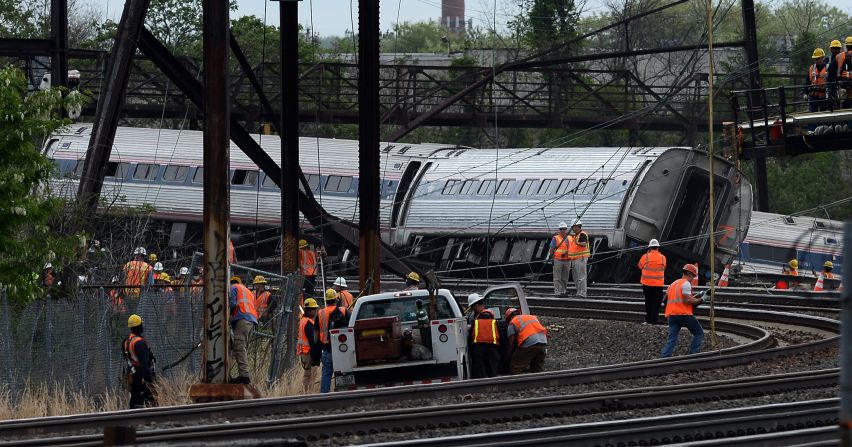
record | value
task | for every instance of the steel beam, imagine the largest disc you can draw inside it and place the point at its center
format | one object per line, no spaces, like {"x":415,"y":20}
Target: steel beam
{"x":109,"y":103}
{"x":846,"y":341}
{"x":59,"y":38}
{"x":369,"y":173}
{"x":289,"y":10}
{"x":756,"y":99}
{"x":216,"y":231}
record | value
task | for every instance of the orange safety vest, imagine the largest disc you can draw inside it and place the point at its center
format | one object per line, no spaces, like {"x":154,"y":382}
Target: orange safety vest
{"x":674,"y":300}
{"x":322,"y":318}
{"x":245,"y":301}
{"x":304,"y":345}
{"x":828,"y":275}
{"x":653,"y":265}
{"x":261,"y":303}
{"x":135,"y":274}
{"x":307,"y":262}
{"x":346,"y":298}
{"x":197,"y":286}
{"x":527,"y":326}
{"x":485,"y":331}
{"x":562,"y":244}
{"x":232,"y":256}
{"x":130,"y":349}
{"x":818,"y":80}
{"x":577,"y":251}
{"x":793,"y":273}
{"x":844,"y":64}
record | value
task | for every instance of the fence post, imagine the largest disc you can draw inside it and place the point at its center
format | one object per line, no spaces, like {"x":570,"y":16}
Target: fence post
{"x":6,"y":340}
{"x":282,"y":344}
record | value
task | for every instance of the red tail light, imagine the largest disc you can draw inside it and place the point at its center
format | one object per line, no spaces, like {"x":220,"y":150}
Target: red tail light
{"x":442,"y":328}
{"x":342,"y":338}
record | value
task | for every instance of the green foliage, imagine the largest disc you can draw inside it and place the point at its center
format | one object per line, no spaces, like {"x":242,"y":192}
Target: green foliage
{"x":543,"y":23}
{"x":26,"y":238}
{"x":809,"y":181}
{"x":417,"y":37}
{"x":23,"y":19}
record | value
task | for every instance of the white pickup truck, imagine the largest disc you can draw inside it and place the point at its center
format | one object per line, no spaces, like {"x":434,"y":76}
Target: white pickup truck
{"x":389,"y":339}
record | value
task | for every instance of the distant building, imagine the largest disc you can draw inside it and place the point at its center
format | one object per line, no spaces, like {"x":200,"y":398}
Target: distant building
{"x":452,"y":15}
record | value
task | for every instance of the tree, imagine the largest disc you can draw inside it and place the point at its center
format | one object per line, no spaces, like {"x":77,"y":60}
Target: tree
{"x":417,"y":37}
{"x":544,"y":23}
{"x":27,"y":240}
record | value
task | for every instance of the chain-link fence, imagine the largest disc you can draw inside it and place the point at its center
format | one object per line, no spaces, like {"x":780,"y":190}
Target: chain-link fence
{"x":76,"y":342}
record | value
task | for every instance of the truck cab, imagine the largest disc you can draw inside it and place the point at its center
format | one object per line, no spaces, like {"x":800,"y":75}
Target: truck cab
{"x":389,"y":340}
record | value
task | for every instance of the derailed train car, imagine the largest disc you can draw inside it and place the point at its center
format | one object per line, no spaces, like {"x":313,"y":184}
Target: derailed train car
{"x":458,"y":210}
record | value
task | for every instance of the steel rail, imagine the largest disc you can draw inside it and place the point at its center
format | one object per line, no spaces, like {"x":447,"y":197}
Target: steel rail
{"x":758,"y":349}
{"x":312,"y":428}
{"x":777,"y":423}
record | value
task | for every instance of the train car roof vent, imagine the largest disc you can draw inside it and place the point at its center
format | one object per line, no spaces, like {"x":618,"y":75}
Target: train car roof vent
{"x":388,"y":148}
{"x":820,"y":225}
{"x":460,"y":151}
{"x":831,"y":241}
{"x":789,"y":220}
{"x":81,"y":130}
{"x":404,"y":150}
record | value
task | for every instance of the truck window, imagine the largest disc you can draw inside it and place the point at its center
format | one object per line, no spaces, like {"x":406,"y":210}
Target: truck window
{"x":501,"y":299}
{"x":403,"y":307}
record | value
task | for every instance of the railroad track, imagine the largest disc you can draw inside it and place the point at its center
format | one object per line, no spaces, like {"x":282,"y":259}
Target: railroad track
{"x":760,"y":347}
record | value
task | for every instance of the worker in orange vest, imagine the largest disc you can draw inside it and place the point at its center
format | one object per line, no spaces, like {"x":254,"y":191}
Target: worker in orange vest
{"x":827,"y":268}
{"x":527,"y":342}
{"x":243,"y":322}
{"x":140,"y":365}
{"x":261,"y":295}
{"x":346,"y":298}
{"x":679,"y":311}
{"x":307,"y":348}
{"x":559,"y":244}
{"x":331,"y":316}
{"x":484,"y":339}
{"x":815,"y":84}
{"x":578,"y":252}
{"x":653,"y":266}
{"x":844,"y":73}
{"x":137,"y":273}
{"x":307,"y":266}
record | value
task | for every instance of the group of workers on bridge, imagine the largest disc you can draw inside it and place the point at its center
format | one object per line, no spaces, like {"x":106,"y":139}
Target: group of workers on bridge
{"x":827,"y":76}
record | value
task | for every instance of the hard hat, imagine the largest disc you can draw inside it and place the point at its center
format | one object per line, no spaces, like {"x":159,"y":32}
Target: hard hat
{"x":828,"y":265}
{"x":165,"y":277}
{"x":48,"y":266}
{"x":510,"y":312}
{"x":140,"y":251}
{"x":236,"y":279}
{"x":835,"y":44}
{"x":578,"y":223}
{"x":303,"y":243}
{"x":562,"y":225}
{"x":474,"y":298}
{"x":158,"y":267}
{"x":414,"y":276}
{"x":331,"y":294}
{"x":793,"y":263}
{"x":184,"y":271}
{"x":340,"y":281}
{"x":259,"y":279}
{"x":653,"y":243}
{"x":849,"y":41}
{"x":311,"y":303}
{"x":152,"y":257}
{"x":114,"y":279}
{"x":818,"y":54}
{"x":134,"y":321}
{"x":691,"y":268}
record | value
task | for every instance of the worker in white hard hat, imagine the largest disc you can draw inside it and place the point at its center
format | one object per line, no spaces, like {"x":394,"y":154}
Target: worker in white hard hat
{"x":653,"y":266}
{"x":578,"y":253}
{"x":559,"y":245}
{"x":346,"y":298}
{"x":484,"y":338}
{"x":137,"y":273}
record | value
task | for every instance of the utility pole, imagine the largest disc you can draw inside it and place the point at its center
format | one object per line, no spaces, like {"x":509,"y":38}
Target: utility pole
{"x":59,"y":36}
{"x":755,"y":98}
{"x":846,"y":341}
{"x":289,"y":19}
{"x":369,"y":268}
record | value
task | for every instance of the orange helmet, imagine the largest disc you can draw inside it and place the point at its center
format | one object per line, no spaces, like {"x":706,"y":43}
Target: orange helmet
{"x":510,"y":312}
{"x":691,"y":268}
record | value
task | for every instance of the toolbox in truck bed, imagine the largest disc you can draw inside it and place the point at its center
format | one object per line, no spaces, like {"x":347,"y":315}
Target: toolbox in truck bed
{"x":378,"y":339}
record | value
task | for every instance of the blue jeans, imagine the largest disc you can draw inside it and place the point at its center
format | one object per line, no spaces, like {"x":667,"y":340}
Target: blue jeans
{"x":327,"y":371}
{"x":675,"y":323}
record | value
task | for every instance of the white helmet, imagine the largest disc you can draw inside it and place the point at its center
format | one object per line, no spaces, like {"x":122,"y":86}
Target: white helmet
{"x":140,"y":251}
{"x":340,"y":281}
{"x":653,"y":243}
{"x":473,"y":298}
{"x":158,"y":267}
{"x":578,"y":223}
{"x":562,"y":225}
{"x":184,"y":271}
{"x":48,"y":266}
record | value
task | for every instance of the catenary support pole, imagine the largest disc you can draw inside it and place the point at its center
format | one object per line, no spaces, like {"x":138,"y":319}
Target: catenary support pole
{"x":369,"y":175}
{"x":216,"y":107}
{"x":846,"y":341}
{"x":59,"y":36}
{"x":109,"y":102}
{"x":290,"y":136}
{"x":755,"y":84}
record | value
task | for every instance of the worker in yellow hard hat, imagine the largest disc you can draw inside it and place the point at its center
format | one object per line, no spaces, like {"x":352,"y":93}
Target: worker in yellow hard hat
{"x":412,"y":282}
{"x":332,"y":316}
{"x":307,"y":348}
{"x":261,"y":296}
{"x":792,"y":268}
{"x":844,"y":74}
{"x":307,"y":267}
{"x":835,"y":48}
{"x":139,"y":362}
{"x":827,"y":267}
{"x":816,"y":82}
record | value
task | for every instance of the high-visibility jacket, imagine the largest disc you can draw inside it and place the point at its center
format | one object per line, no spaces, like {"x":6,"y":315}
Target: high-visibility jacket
{"x":485,"y":331}
{"x":307,"y":262}
{"x":245,"y":304}
{"x":346,"y":298}
{"x":844,"y":64}
{"x":323,"y":323}
{"x":527,"y":326}
{"x":827,"y":275}
{"x":232,"y":255}
{"x":197,"y":286}
{"x":560,"y":251}
{"x":304,"y":345}
{"x":136,"y":273}
{"x":675,"y":305}
{"x":577,"y":251}
{"x":261,"y":302}
{"x":130,"y":353}
{"x":793,"y":273}
{"x":818,"y":80}
{"x":653,"y":265}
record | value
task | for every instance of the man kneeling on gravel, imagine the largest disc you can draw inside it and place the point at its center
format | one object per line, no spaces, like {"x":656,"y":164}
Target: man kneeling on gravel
{"x":527,"y":342}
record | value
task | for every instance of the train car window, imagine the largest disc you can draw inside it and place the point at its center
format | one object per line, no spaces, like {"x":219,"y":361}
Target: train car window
{"x":117,"y":170}
{"x":769,"y":253}
{"x":198,"y":177}
{"x":146,"y":171}
{"x":527,"y":187}
{"x":547,"y":186}
{"x":505,"y":187}
{"x":78,"y":168}
{"x":268,"y":182}
{"x":337,"y":183}
{"x":586,"y":187}
{"x":486,"y":188}
{"x":244,"y":177}
{"x":175,"y":173}
{"x":565,"y":186}
{"x":499,"y":250}
{"x":452,"y":187}
{"x":831,"y":241}
{"x":615,"y":189}
{"x":468,"y":187}
{"x":313,"y":181}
